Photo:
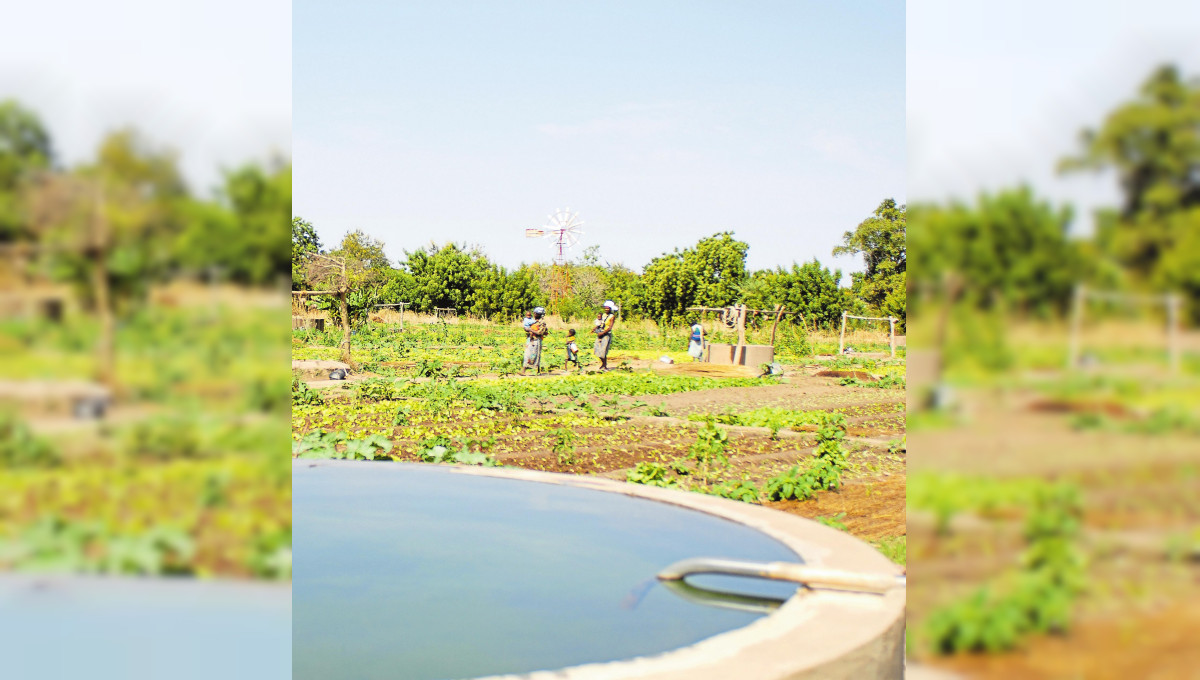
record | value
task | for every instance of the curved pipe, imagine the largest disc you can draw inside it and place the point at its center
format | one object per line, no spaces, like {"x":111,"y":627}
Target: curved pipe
{"x":723,"y":600}
{"x":811,"y":577}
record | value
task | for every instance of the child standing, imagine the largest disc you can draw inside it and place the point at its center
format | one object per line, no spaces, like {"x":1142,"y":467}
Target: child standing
{"x":572,"y":350}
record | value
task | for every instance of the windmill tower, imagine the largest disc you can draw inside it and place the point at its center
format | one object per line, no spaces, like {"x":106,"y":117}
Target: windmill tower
{"x":563,"y":230}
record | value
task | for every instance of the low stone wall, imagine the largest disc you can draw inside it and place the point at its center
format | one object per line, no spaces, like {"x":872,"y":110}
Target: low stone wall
{"x":751,"y":355}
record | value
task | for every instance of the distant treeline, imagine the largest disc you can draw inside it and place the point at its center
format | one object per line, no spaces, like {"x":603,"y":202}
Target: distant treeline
{"x":129,"y":211}
{"x":1014,"y":252}
{"x":711,"y":273}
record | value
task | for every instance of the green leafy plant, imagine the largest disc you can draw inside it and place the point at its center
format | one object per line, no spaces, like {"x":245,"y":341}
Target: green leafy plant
{"x":302,"y":394}
{"x":442,"y":453}
{"x":376,"y":389}
{"x":1036,"y":598}
{"x":650,"y":474}
{"x":271,"y":555}
{"x":803,"y":482}
{"x":895,"y":548}
{"x":318,"y":444}
{"x":736,"y":489}
{"x":162,"y":438}
{"x":709,"y":449}
{"x":822,"y":472}
{"x":564,"y":445}
{"x":55,"y":544}
{"x":428,"y":368}
{"x":373,"y":447}
{"x":834,"y":521}
{"x":401,"y":417}
{"x":19,"y":447}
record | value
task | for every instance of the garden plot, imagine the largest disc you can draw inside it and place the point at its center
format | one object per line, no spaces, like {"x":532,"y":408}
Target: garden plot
{"x":1128,"y":543}
{"x":182,"y":476}
{"x":749,"y":438}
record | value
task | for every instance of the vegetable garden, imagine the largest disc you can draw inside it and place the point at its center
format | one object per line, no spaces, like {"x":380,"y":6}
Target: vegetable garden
{"x":184,"y":475}
{"x":1054,"y":512}
{"x":825,"y":446}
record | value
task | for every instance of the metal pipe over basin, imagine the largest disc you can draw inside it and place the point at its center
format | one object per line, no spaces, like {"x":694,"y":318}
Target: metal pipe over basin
{"x":811,"y":577}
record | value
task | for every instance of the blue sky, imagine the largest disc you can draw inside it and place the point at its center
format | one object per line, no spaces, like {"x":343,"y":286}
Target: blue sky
{"x":211,"y":79}
{"x":997,"y":94}
{"x":659,"y":122}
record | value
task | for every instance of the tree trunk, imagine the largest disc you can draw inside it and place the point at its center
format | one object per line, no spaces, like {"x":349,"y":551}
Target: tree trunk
{"x":106,"y":371}
{"x":345,"y":310}
{"x":778,"y":314}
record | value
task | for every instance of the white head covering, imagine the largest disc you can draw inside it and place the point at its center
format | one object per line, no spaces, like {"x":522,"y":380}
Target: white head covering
{"x":610,"y":303}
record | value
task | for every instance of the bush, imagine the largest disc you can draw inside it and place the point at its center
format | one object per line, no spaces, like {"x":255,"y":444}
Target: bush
{"x":19,"y":447}
{"x":302,"y":394}
{"x":163,"y":438}
{"x":822,"y":472}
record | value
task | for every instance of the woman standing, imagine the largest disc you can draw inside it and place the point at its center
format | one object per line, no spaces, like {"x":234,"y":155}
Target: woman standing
{"x":696,"y":341}
{"x":604,"y":333}
{"x":533,"y":341}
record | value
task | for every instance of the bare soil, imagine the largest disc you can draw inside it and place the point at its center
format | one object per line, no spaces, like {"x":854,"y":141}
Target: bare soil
{"x":1159,"y":644}
{"x":1142,"y":608}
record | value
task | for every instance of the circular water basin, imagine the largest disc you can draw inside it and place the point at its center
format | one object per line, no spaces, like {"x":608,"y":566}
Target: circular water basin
{"x":437,"y":572}
{"x":143,"y":628}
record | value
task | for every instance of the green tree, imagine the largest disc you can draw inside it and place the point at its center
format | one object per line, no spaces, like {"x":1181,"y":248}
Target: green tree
{"x":501,"y":295}
{"x":1152,"y":143}
{"x":304,"y":243}
{"x":625,"y":287}
{"x":25,"y":149}
{"x":124,"y":211}
{"x":809,"y":288}
{"x":444,"y":276}
{"x":261,"y":200}
{"x":710,"y":275}
{"x":367,"y":264}
{"x":882,"y":241}
{"x":1009,"y":248}
{"x":239,"y":236}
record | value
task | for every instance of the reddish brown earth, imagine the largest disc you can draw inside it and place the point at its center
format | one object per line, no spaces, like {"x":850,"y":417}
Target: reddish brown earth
{"x":1140,"y":613}
{"x":874,"y":507}
{"x":1159,"y":645}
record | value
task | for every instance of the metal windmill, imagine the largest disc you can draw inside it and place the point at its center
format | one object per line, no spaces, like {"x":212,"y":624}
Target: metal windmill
{"x":564,"y":230}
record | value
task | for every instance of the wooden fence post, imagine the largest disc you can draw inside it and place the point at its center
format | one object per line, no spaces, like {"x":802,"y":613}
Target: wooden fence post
{"x":1173,"y":336}
{"x":739,"y":357}
{"x":1076,"y":327}
{"x":345,"y":310}
{"x":778,"y":314}
{"x":842,"y":336}
{"x":892,"y":335}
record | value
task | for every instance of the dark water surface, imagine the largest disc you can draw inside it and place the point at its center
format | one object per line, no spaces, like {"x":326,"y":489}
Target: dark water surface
{"x":407,"y":571}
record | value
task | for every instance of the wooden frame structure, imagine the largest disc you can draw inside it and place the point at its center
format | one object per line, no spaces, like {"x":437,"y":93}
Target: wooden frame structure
{"x":739,"y":313}
{"x":96,"y":248}
{"x":891,"y":330}
{"x":1172,"y":302}
{"x":344,"y":308}
{"x":401,"y":305}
